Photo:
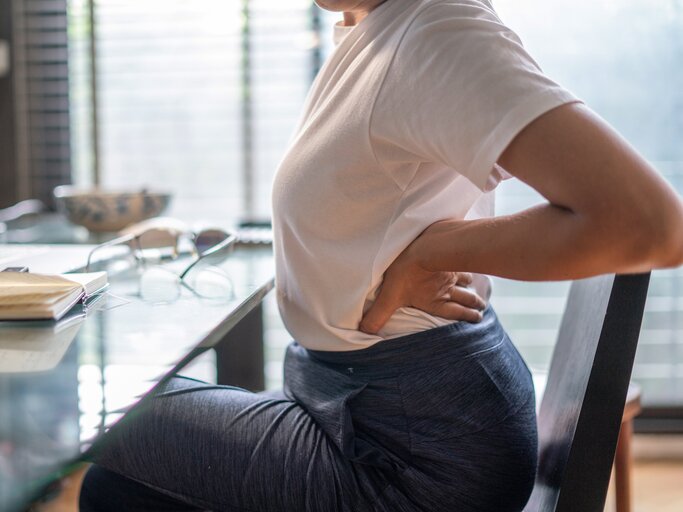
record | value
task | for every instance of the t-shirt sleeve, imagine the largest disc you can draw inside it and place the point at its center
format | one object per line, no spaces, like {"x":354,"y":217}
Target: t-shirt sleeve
{"x":460,"y":87}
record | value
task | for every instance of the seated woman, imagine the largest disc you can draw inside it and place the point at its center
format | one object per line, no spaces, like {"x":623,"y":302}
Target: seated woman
{"x":402,"y":390}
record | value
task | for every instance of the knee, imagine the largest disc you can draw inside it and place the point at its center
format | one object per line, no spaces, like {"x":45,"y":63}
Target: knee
{"x":106,"y":491}
{"x":97,"y":489}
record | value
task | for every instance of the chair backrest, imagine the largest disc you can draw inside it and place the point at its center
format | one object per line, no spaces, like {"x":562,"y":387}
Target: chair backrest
{"x":583,"y":403}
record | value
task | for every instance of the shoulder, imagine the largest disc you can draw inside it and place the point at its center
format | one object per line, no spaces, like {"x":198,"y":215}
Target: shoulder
{"x":454,"y":25}
{"x":447,"y":31}
{"x":429,"y":11}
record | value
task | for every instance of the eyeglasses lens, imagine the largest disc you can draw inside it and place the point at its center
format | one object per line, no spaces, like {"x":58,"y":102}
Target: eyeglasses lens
{"x":111,"y":258}
{"x":157,"y":244}
{"x":209,"y":238}
{"x":159,"y":286}
{"x":211,"y":283}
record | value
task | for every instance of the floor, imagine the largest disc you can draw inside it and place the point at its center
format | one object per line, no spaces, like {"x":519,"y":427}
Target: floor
{"x":657,"y":479}
{"x":658,"y":486}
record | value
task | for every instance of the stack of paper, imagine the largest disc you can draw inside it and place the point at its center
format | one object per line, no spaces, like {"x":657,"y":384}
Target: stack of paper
{"x":27,"y":296}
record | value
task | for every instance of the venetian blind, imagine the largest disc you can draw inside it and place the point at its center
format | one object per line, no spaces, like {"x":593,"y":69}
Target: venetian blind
{"x":623,"y":59}
{"x":202,"y":96}
{"x":198,"y":97}
{"x":41,"y":93}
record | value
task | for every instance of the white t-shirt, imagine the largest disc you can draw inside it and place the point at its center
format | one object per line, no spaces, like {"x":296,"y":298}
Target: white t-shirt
{"x":401,"y":128}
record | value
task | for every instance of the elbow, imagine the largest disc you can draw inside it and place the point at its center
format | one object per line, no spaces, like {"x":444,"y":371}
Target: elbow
{"x":671,"y":244}
{"x":660,"y":240}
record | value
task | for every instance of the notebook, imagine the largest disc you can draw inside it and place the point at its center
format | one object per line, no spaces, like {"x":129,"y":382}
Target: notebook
{"x":29,"y":296}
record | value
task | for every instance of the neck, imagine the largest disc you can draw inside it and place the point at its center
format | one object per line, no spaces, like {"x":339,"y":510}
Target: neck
{"x":353,"y":17}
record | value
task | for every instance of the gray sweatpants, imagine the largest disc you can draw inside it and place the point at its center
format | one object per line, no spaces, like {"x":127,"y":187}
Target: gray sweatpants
{"x":441,"y":420}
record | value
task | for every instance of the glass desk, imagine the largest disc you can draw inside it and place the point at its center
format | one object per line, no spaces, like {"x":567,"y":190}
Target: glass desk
{"x":62,"y":385}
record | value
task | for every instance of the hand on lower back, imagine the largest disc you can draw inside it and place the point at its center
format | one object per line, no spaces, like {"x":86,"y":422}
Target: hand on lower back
{"x":443,"y":294}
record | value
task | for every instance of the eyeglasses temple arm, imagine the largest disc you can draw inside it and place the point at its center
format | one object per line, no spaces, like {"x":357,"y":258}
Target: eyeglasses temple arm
{"x":225,"y":244}
{"x":115,"y":241}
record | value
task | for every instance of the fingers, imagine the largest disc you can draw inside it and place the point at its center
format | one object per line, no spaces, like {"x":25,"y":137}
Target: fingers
{"x":463,"y":278}
{"x":380,"y":312}
{"x":466,"y":297}
{"x":443,"y":294}
{"x":463,"y":304}
{"x":455,"y":311}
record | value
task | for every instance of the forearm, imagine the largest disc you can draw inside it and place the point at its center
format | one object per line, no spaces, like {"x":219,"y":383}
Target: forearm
{"x":545,"y":242}
{"x":607,"y":211}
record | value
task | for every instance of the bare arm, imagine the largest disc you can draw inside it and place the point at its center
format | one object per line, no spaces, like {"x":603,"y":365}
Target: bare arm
{"x":607,"y":211}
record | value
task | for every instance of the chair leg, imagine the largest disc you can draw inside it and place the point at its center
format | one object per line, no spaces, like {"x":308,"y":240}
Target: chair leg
{"x":623,"y":466}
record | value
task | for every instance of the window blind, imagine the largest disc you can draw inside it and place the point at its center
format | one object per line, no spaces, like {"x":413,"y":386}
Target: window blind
{"x":622,"y":58}
{"x":191,"y":93}
{"x":41,"y":97}
{"x":202,"y":97}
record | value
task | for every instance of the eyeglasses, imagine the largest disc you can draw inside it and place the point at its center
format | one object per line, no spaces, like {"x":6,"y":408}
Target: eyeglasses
{"x":151,"y":245}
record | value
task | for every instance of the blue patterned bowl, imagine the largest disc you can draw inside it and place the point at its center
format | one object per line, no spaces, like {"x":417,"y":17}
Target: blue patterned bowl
{"x":106,"y":210}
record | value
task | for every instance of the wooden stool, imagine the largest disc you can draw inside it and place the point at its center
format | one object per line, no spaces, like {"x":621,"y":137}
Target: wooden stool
{"x":623,"y":459}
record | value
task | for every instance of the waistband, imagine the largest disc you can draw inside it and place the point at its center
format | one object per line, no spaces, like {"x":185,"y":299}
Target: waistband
{"x":417,"y":351}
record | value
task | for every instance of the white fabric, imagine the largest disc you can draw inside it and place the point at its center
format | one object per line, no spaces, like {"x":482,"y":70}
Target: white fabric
{"x":402,"y":127}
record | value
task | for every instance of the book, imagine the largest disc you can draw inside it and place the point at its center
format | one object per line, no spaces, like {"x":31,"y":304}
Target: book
{"x":92,"y":282}
{"x":28,"y":296}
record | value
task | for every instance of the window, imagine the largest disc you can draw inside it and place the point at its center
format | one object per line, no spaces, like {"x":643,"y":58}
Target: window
{"x":34,"y":99}
{"x":197,"y":97}
{"x":201,"y":97}
{"x":623,"y":59}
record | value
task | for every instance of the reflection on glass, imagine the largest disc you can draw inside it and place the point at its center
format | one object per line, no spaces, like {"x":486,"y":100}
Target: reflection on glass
{"x":148,"y":245}
{"x":159,"y":285}
{"x":37,"y":346}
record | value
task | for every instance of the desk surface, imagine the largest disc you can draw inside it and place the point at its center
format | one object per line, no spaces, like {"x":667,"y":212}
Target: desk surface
{"x":61,"y":390}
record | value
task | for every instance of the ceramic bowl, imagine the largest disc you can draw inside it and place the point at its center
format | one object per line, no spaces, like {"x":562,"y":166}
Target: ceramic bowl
{"x":109,"y":210}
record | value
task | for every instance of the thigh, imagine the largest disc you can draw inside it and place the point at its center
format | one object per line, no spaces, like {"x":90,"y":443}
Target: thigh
{"x":225,"y":448}
{"x":474,"y":437}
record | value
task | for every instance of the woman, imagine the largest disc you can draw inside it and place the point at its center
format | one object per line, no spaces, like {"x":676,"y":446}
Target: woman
{"x":400,"y":393}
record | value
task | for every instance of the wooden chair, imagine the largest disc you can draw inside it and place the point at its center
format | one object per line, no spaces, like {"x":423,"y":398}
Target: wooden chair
{"x":623,"y":459}
{"x":581,"y":412}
